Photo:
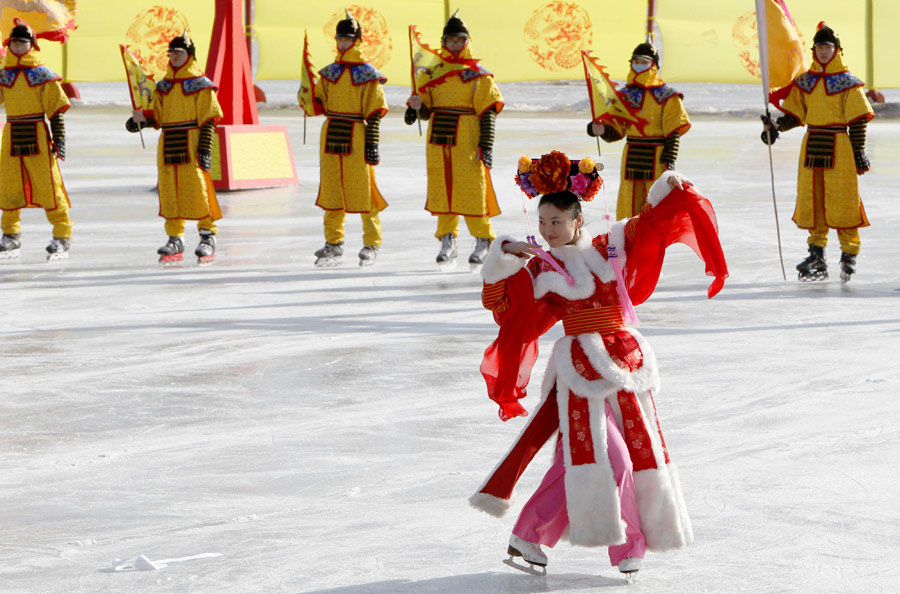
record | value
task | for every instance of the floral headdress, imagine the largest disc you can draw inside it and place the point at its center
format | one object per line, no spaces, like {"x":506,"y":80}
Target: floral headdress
{"x":554,"y":172}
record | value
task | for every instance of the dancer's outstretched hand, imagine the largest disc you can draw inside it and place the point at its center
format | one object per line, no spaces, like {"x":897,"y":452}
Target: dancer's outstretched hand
{"x":520,"y":248}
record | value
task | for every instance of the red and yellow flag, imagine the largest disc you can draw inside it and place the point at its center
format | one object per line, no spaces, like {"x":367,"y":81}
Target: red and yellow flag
{"x":49,"y":19}
{"x":306,"y":96}
{"x":606,"y":105}
{"x":140,"y":84}
{"x":780,"y":44}
{"x":427,"y":66}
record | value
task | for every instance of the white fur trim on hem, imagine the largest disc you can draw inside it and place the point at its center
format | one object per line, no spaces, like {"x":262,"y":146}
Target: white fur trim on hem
{"x":664,"y":519}
{"x":592,"y":496}
{"x":489,"y":504}
{"x":499,"y":265}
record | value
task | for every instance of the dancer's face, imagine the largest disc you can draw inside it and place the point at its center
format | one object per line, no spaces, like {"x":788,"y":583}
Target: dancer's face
{"x":558,"y":227}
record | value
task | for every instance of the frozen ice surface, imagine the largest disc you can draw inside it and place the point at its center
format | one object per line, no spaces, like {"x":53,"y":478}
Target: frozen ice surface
{"x":322,"y":429}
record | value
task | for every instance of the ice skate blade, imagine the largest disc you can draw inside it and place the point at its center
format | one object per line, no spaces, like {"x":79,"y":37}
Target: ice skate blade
{"x":447,"y":265}
{"x":206,"y":260}
{"x":812,"y":277}
{"x":58,"y":257}
{"x":171,"y":259}
{"x":473,"y":267}
{"x":630,"y":576}
{"x":328,"y":262}
{"x":10,"y":255}
{"x":845,"y":278}
{"x":366,"y":263}
{"x":531,"y":568}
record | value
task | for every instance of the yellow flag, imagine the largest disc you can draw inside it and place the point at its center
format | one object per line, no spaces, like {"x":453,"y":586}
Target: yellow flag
{"x":140,"y":84}
{"x":427,"y":66}
{"x":306,"y":95}
{"x":49,"y":19}
{"x":606,"y":105}
{"x":786,"y":57}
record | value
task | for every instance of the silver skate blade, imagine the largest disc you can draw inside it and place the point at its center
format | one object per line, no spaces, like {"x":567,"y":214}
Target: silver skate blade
{"x":448,"y":265}
{"x":630,"y":576}
{"x":206,"y":260}
{"x":328,"y":262}
{"x":10,"y":255}
{"x":366,"y":263}
{"x":474,"y":267}
{"x":530,"y":568}
{"x":58,"y":257}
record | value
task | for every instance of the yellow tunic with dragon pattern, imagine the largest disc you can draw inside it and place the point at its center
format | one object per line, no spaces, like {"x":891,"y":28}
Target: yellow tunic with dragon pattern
{"x":185,"y":100}
{"x":29,"y":173}
{"x":350,"y":92}
{"x":458,"y":182}
{"x":829,"y":96}
{"x":661,"y":106}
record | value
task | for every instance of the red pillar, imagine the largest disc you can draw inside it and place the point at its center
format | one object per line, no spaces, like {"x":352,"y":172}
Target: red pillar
{"x":246,"y":154}
{"x":228,"y":65}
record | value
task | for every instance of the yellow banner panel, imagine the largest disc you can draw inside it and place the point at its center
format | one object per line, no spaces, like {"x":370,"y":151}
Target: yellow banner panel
{"x":527,"y":40}
{"x":278,"y":28}
{"x":144,"y":25}
{"x":716,"y":41}
{"x":886,"y":23}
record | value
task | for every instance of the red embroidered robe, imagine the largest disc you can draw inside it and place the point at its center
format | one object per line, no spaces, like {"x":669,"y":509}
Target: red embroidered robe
{"x":598,"y":360}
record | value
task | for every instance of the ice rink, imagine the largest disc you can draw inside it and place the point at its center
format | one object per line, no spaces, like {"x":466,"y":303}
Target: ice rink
{"x":321,"y":429}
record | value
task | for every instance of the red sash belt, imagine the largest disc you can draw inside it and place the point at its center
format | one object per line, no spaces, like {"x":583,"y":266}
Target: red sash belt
{"x":603,"y":320}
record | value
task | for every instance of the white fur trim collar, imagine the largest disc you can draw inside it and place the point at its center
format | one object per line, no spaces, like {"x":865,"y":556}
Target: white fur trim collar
{"x":583,"y":263}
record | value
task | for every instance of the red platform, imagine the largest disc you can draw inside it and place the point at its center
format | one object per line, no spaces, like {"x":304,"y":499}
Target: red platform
{"x":247,"y":155}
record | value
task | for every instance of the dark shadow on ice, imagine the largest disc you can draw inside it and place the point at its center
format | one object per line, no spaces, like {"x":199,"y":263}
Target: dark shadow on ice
{"x":477,"y":583}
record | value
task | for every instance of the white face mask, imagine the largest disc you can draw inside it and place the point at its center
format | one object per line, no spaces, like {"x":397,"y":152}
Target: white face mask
{"x":641,"y":67}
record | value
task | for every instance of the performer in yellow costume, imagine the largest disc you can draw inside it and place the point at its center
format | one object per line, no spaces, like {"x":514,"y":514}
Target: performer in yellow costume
{"x":29,"y":172}
{"x":830,"y":102}
{"x":350,"y":94}
{"x":653,"y":149}
{"x":187,"y":110}
{"x":462,"y":109}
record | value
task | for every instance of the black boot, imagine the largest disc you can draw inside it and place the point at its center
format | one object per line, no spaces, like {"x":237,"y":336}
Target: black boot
{"x":173,"y":246}
{"x":207,"y":246}
{"x":848,"y":266}
{"x":813,"y":268}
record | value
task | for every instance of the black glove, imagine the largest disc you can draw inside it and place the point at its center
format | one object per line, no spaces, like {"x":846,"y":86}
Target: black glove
{"x":205,"y":160}
{"x":862,"y":162}
{"x":410,"y":116}
{"x":769,"y":136}
{"x":59,"y":146}
{"x":372,"y":157}
{"x":487,"y":156}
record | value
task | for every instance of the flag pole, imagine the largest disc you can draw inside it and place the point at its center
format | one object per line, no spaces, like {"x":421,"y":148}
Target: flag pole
{"x":304,"y":127}
{"x":141,"y":134}
{"x":763,"y":38}
{"x":412,"y":74}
